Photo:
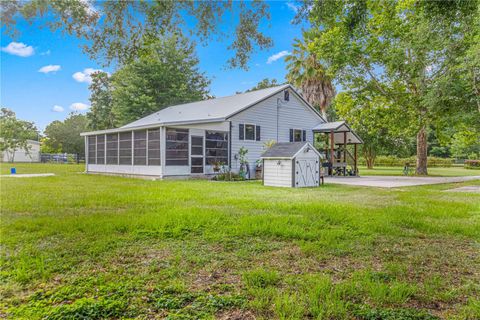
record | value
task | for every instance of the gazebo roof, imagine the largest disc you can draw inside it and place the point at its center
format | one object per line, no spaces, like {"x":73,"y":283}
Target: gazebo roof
{"x":338,"y":128}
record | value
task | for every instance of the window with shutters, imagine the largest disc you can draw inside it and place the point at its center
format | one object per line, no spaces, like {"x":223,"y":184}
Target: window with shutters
{"x":153,"y":147}
{"x":125,"y":148}
{"x":249,"y":132}
{"x":92,"y":149}
{"x":140,"y":148}
{"x":298,"y":135}
{"x":216,"y":147}
{"x":112,"y":148}
{"x":177,"y":147}
{"x":286,"y":95}
{"x":101,"y":149}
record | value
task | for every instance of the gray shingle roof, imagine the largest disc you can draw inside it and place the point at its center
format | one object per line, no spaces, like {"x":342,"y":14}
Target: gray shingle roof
{"x":327,"y":126}
{"x":207,"y":110}
{"x":284,"y":150}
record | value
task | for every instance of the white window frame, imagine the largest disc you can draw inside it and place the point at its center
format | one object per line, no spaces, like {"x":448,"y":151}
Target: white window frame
{"x":301,"y":135}
{"x":245,"y":132}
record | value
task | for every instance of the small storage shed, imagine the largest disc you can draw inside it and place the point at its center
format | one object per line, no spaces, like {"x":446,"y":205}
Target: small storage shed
{"x":291,"y":164}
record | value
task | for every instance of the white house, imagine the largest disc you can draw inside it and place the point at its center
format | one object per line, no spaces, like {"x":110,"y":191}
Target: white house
{"x":20,"y":155}
{"x":188,"y":139}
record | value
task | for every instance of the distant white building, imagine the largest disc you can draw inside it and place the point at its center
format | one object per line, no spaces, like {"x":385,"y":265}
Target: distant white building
{"x":20,"y":155}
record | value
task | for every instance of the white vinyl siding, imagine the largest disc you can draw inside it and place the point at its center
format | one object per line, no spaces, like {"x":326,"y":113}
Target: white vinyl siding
{"x":291,"y":114}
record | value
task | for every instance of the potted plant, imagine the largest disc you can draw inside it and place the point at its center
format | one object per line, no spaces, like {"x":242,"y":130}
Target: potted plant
{"x":216,"y":166}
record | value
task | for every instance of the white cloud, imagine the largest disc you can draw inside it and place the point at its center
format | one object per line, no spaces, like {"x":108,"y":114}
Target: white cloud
{"x":49,"y":68}
{"x":19,"y":49}
{"x":78,"y":106}
{"x":292,"y":6}
{"x":277,"y":56}
{"x":45,"y":53}
{"x":57,"y":108}
{"x":85,"y":75}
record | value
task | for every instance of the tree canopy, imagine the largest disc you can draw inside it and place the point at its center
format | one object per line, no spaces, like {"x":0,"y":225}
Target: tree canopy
{"x":15,"y":133}
{"x":264,"y":84}
{"x":117,"y":30}
{"x":64,"y":136}
{"x":306,"y":72}
{"x":420,"y":55}
{"x":165,"y":74}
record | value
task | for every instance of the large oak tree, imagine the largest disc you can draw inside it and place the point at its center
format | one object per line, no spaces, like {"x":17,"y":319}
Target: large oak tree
{"x":116,"y":30}
{"x":421,"y":55}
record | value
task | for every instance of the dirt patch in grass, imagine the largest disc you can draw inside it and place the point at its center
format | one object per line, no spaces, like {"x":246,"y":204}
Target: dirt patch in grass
{"x":235,"y":315}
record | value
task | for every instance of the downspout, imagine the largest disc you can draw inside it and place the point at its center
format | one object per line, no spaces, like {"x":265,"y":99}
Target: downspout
{"x":230,"y":146}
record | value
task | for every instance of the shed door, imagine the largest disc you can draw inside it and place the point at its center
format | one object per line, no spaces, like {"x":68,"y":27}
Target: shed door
{"x":307,"y":172}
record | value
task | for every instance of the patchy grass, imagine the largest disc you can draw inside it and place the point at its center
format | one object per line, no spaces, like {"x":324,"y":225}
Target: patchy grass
{"x":89,"y":246}
{"x":434,"y":172}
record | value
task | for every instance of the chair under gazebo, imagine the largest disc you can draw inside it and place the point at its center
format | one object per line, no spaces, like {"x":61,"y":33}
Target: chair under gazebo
{"x":339,"y":160}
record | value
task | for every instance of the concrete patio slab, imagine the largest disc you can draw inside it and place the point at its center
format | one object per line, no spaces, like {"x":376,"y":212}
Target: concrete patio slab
{"x":474,"y":189}
{"x":396,"y":181}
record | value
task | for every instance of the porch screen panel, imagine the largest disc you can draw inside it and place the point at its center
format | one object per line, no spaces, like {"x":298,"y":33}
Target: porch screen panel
{"x":101,"y":149}
{"x":92,"y":149}
{"x":216,"y":147}
{"x":112,"y":148}
{"x":154,"y":147}
{"x":125,"y":151}
{"x":140,"y":148}
{"x":177,"y":147}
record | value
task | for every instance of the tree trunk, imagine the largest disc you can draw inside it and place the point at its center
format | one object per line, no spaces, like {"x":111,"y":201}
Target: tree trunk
{"x":370,"y":156}
{"x":422,"y":151}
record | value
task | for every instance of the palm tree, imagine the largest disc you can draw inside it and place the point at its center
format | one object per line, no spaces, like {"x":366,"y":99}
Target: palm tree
{"x":307,"y":73}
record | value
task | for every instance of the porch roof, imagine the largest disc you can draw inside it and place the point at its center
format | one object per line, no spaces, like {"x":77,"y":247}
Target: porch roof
{"x":338,"y":128}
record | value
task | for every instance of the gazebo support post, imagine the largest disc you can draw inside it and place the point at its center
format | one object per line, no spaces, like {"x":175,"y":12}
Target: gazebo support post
{"x":355,"y":159}
{"x":345,"y":152}
{"x":332,"y":143}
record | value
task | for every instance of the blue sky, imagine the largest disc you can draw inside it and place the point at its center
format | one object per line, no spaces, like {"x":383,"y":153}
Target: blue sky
{"x":44,"y":74}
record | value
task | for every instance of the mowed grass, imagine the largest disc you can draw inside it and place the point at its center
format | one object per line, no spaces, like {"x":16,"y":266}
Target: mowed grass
{"x":454,"y":171}
{"x":89,"y":246}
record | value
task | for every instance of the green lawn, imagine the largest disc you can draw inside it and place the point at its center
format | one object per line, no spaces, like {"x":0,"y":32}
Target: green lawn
{"x":78,"y":246}
{"x":398,"y":171}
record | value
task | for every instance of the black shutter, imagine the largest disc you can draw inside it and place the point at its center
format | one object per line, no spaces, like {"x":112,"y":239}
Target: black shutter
{"x":291,"y":135}
{"x":241,"y":132}
{"x":304,"y":135}
{"x":257,"y":133}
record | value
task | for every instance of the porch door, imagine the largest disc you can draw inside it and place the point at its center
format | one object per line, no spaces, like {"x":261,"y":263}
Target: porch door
{"x":196,"y":154}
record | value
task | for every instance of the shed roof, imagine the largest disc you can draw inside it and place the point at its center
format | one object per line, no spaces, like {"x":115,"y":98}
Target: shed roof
{"x":286,"y":149}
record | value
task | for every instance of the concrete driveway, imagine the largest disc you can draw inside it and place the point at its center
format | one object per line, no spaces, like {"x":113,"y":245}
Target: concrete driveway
{"x":395,"y":181}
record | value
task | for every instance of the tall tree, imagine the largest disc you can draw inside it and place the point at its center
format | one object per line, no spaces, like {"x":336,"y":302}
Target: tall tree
{"x":165,"y":74}
{"x":115,"y":30}
{"x":306,"y":72}
{"x":65,"y":135}
{"x":15,"y":133}
{"x":381,"y":124}
{"x":407,"y":51}
{"x":100,"y":115}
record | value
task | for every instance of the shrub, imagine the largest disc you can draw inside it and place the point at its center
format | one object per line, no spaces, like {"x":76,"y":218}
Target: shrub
{"x":389,"y":161}
{"x":472,"y":164}
{"x":228,"y":176}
